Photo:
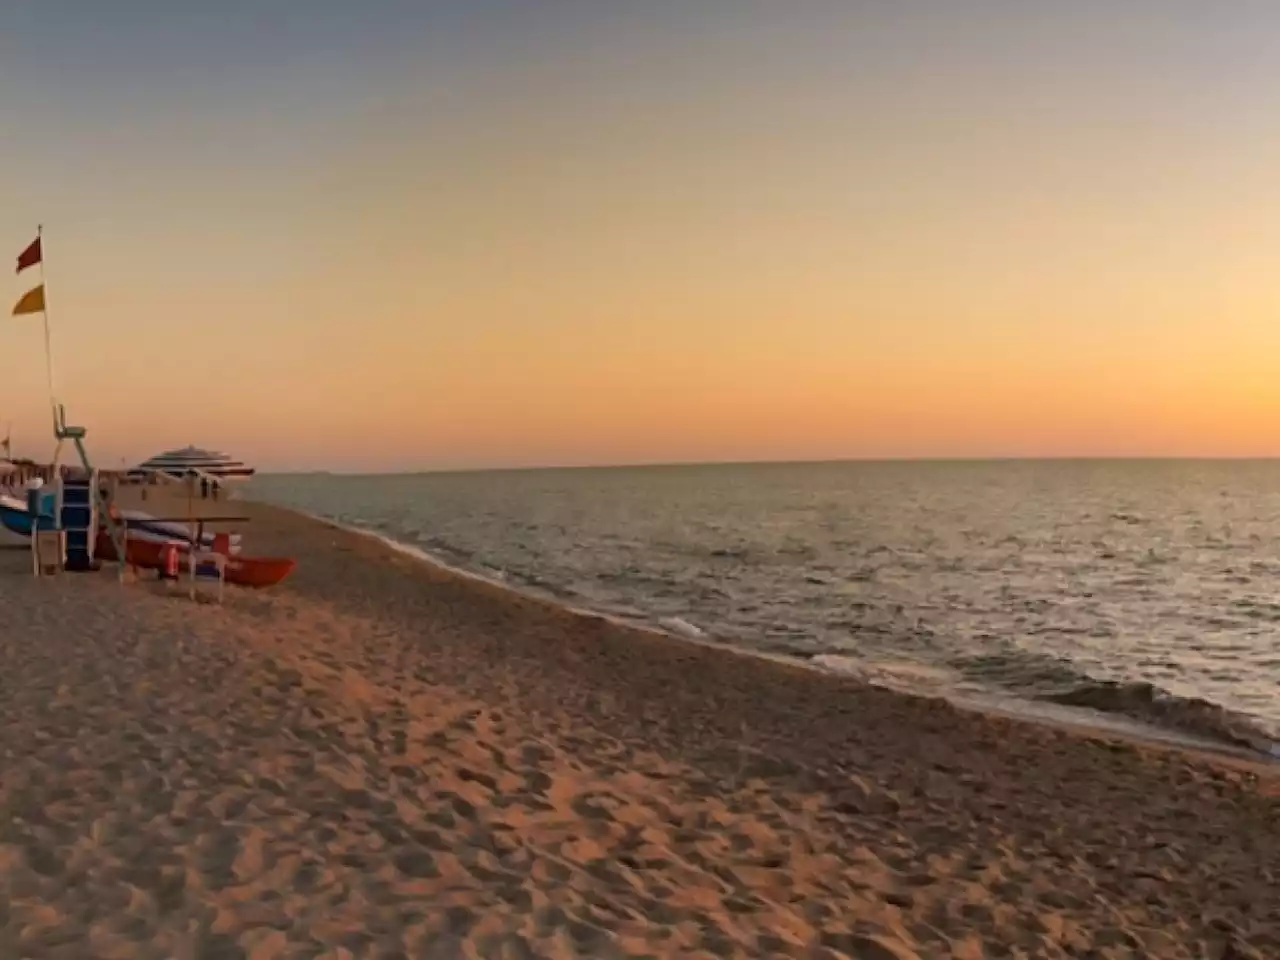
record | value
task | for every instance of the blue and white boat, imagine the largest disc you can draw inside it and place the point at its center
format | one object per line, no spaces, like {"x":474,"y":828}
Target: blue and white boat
{"x":16,"y":518}
{"x":142,"y":527}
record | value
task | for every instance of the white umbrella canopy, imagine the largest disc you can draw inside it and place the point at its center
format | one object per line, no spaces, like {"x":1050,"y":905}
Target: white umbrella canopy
{"x":194,"y":460}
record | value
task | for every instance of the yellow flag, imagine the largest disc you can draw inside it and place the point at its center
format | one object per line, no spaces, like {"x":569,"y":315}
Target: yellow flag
{"x":32,"y":302}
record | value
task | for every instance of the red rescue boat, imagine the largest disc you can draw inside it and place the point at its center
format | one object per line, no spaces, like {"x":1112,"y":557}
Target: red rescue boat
{"x":241,"y":571}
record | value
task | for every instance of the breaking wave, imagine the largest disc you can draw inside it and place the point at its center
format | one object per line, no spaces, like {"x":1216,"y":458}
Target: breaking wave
{"x":1149,"y":704}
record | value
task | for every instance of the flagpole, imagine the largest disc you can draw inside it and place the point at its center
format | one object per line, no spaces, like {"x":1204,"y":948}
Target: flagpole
{"x":48,"y":351}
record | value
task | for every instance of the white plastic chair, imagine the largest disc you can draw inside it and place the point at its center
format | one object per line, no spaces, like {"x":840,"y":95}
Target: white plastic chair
{"x":217,"y":556}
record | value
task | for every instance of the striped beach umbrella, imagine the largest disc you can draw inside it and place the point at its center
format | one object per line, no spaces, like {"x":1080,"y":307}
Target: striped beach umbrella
{"x":179,"y":463}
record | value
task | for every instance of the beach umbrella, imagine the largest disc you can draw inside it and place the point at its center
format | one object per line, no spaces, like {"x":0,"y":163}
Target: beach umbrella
{"x":194,"y":460}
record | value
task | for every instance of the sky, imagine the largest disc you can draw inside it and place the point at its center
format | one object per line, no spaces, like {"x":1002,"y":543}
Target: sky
{"x":416,"y":235}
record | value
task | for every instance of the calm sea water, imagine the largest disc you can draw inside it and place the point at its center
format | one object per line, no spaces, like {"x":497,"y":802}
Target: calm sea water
{"x":1067,"y":582}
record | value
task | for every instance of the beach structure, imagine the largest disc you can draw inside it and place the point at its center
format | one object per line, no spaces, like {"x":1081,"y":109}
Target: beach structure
{"x":213,"y":464}
{"x":79,"y":519}
{"x":160,"y":502}
{"x":89,"y":496}
{"x":103,"y":516}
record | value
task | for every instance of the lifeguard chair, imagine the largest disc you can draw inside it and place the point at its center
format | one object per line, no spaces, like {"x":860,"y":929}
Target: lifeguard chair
{"x":91,"y":501}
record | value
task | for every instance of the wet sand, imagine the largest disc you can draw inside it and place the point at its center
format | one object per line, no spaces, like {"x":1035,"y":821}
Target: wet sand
{"x":384,"y":759}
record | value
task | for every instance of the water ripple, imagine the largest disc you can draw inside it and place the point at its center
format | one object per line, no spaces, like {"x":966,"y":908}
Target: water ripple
{"x":1032,"y":579}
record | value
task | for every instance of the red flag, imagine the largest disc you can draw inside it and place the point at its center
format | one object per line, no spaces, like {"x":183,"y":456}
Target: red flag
{"x":30,"y":256}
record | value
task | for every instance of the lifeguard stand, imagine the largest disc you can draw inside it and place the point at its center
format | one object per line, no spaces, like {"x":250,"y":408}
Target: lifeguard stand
{"x":80,"y":520}
{"x":90,"y":504}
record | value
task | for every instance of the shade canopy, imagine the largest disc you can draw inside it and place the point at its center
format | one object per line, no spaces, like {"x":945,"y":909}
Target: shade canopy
{"x":180,"y":463}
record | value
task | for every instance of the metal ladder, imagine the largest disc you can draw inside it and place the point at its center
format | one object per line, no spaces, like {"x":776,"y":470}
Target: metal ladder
{"x":62,"y":432}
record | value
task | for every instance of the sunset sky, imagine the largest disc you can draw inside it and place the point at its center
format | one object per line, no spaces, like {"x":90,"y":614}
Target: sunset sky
{"x":414,"y":234}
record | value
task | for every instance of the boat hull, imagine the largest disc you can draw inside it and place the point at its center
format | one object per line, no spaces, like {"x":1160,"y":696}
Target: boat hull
{"x":18,"y":520}
{"x":145,"y":527}
{"x":241,"y":571}
{"x":15,"y":518}
{"x":15,"y":521}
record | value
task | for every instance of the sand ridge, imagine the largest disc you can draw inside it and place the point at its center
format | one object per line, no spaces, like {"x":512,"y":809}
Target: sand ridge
{"x":384,"y":760}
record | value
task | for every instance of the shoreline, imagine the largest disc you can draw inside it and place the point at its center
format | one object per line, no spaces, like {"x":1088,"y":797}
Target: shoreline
{"x":1081,"y":720}
{"x":381,"y":758}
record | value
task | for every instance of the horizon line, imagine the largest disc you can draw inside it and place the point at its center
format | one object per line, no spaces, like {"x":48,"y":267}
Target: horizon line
{"x":823,"y":461}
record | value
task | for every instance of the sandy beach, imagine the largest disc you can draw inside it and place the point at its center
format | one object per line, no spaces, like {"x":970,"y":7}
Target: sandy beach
{"x":384,"y":759}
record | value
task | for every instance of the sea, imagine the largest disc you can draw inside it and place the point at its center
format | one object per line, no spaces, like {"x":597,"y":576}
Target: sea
{"x":1144,"y":590}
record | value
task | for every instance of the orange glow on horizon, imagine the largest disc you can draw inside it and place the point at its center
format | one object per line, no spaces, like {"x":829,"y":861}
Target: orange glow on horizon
{"x":662,"y":245}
